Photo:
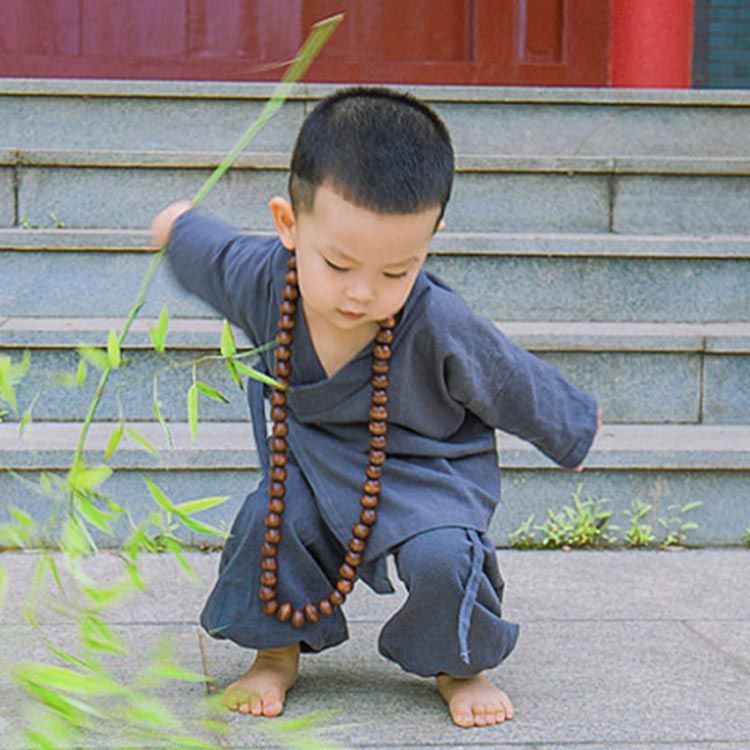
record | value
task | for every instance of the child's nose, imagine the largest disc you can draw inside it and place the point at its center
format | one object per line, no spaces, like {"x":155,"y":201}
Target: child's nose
{"x":360,"y":290}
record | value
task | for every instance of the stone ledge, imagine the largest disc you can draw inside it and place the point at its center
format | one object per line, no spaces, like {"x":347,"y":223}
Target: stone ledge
{"x":444,"y":243}
{"x":465,"y":163}
{"x":474,"y":94}
{"x":51,"y":445}
{"x":204,"y":333}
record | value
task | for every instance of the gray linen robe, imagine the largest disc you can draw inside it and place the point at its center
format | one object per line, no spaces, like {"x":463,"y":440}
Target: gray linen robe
{"x":454,"y":379}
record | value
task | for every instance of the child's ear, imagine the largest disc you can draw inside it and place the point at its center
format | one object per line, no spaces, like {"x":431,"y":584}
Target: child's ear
{"x":441,"y":225}
{"x":284,"y":221}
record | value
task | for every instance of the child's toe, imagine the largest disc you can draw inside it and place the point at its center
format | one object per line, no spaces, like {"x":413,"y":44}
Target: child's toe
{"x":462,"y":715}
{"x":272,"y":703}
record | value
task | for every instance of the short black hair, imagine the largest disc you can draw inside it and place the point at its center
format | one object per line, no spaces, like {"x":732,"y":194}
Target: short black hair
{"x":380,"y":149}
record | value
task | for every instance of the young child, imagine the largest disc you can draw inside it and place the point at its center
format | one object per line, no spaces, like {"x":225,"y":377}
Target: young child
{"x":363,"y":325}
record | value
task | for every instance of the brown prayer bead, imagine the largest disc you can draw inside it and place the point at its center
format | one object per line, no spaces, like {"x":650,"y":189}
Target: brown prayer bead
{"x":378,"y":413}
{"x":389,"y":322}
{"x":278,"y":459}
{"x":377,"y":443}
{"x":277,"y":489}
{"x":337,"y":598}
{"x":269,"y":550}
{"x":276,"y":505}
{"x":380,"y":366}
{"x":344,"y":586}
{"x":286,"y":322}
{"x":325,"y":608}
{"x":272,"y":536}
{"x":376,"y":457}
{"x":382,"y":351}
{"x":379,"y":397}
{"x":278,"y":413}
{"x":347,"y":571}
{"x":288,"y":307}
{"x":273,"y":520}
{"x":357,"y":545}
{"x":290,"y":292}
{"x":284,"y":338}
{"x":353,"y":558}
{"x":280,"y":429}
{"x":267,"y":593}
{"x":290,"y":277}
{"x":298,"y":618}
{"x":270,"y":607}
{"x":368,"y":517}
{"x":283,"y":353}
{"x":369,"y":501}
{"x":372,"y":487}
{"x":268,"y":579}
{"x":378,"y":428}
{"x":311,"y":612}
{"x":361,"y":531}
{"x":279,"y":474}
{"x":284,"y":382}
{"x":380,"y":382}
{"x":284,"y":612}
{"x":384,"y":336}
{"x":291,"y":261}
{"x":278,"y":398}
{"x":270,"y":563}
{"x":283,"y":369}
{"x":373,"y":472}
{"x":278,"y":445}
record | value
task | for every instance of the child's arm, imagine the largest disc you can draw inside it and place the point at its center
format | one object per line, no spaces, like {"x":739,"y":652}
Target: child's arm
{"x":515,"y":391}
{"x":212,"y":260}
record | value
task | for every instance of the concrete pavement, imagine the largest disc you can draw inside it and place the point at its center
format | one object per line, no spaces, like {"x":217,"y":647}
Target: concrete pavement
{"x":625,"y":650}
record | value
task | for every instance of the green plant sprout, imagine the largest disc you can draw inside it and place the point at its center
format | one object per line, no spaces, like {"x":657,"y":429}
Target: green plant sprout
{"x":675,"y":528}
{"x":83,"y":693}
{"x":523,"y":537}
{"x":639,"y":534}
{"x":746,"y":538}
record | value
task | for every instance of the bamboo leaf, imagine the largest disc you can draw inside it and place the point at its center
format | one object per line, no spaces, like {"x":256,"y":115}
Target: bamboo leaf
{"x":26,"y":418}
{"x":80,"y":376}
{"x":201,"y":528}
{"x":142,"y":440}
{"x":257,"y":375}
{"x":94,"y":356}
{"x":113,"y":349}
{"x":98,"y":637}
{"x":114,"y":440}
{"x":156,"y":408}
{"x":159,"y":334}
{"x":194,"y":506}
{"x":6,"y":381}
{"x":92,"y":514}
{"x":228,"y":346}
{"x":69,"y":658}
{"x":233,"y":372}
{"x":66,"y":380}
{"x":64,"y":679}
{"x":74,"y":541}
{"x":192,"y":399}
{"x":207,"y":390}
{"x":83,"y":479}
{"x":22,"y":517}
{"x":159,"y":497}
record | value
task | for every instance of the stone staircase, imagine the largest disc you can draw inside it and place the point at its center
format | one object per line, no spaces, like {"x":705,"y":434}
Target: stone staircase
{"x":608,"y":231}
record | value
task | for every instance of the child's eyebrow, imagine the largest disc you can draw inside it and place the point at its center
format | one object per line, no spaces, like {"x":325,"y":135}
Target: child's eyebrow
{"x":344,"y":256}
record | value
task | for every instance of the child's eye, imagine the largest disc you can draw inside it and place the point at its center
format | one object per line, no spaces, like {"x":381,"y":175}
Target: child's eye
{"x":334,"y":267}
{"x":395,"y":275}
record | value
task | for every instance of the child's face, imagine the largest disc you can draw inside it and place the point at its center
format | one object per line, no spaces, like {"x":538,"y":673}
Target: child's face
{"x":355,"y":267}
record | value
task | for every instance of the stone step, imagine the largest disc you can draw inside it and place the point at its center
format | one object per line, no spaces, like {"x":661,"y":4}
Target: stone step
{"x":583,"y":277}
{"x":665,"y":466}
{"x":39,"y":113}
{"x":640,"y":372}
{"x":536,"y":193}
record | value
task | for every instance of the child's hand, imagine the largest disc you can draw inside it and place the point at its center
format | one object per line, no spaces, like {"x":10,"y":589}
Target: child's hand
{"x":161,"y":226}
{"x":598,"y":425}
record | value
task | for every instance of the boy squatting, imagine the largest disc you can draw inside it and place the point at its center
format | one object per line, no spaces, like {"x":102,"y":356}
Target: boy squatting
{"x":370,"y":178}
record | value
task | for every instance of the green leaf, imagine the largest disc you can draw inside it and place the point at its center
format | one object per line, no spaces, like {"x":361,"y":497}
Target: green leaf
{"x":192,"y":400}
{"x":211,"y":392}
{"x":93,"y":514}
{"x":94,"y":356}
{"x":70,"y":658}
{"x":98,"y":637}
{"x":256,"y":375}
{"x":80,"y":376}
{"x":159,"y":334}
{"x":113,"y":349}
{"x":82,"y":479}
{"x":114,"y":440}
{"x":7,"y":372}
{"x":201,"y":528}
{"x":233,"y":372}
{"x":26,"y":418}
{"x":66,"y":380}
{"x":64,"y":679}
{"x":691,"y":506}
{"x":167,"y":671}
{"x":159,"y":497}
{"x":74,"y":541}
{"x":22,"y":517}
{"x":228,"y":347}
{"x":142,"y":440}
{"x":148,"y":710}
{"x":193,"y":506}
{"x":156,"y":408}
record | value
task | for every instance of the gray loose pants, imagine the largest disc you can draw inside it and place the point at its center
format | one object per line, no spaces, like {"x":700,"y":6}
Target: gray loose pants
{"x":450,"y":623}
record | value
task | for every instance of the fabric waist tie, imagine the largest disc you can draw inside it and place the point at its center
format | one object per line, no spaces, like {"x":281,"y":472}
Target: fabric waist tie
{"x":470,"y":595}
{"x":258,"y":416}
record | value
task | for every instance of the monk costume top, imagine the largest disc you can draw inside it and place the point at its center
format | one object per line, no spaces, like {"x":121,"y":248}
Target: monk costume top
{"x":454,"y":378}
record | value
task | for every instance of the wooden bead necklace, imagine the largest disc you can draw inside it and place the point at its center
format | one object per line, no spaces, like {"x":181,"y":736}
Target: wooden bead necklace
{"x":381,"y":354}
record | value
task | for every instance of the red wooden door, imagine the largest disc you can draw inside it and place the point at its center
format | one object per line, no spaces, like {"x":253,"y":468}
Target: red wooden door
{"x":504,"y":42}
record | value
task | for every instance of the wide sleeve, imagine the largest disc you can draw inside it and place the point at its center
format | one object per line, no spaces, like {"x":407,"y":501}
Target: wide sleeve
{"x":228,"y":270}
{"x":512,"y":390}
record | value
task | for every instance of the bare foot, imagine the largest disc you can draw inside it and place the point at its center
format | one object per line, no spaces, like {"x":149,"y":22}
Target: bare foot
{"x":261,"y":690}
{"x":474,"y":701}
